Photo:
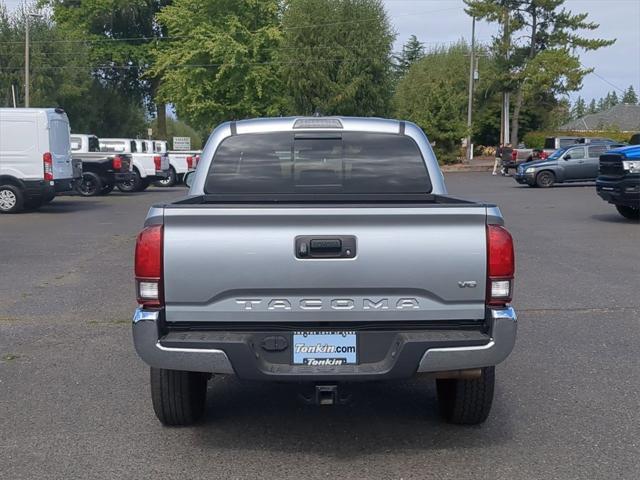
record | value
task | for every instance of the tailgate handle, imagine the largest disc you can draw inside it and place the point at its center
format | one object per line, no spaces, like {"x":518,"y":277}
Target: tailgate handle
{"x":338,"y":246}
{"x":327,"y":245}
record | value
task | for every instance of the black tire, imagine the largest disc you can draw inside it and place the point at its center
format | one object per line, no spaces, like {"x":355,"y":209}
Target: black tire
{"x":545,"y":179}
{"x":628,"y":212}
{"x":11,"y":199}
{"x":467,"y":402}
{"x":170,"y":181}
{"x":144,"y":184}
{"x":107,"y":189}
{"x":49,"y":198}
{"x":178,"y":397}
{"x":132,"y":185}
{"x":90,"y":185}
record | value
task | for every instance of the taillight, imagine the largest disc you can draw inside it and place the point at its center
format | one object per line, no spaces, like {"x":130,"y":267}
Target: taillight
{"x":117,"y":163}
{"x":148,"y":267}
{"x":158,"y":162}
{"x":47,"y":162}
{"x":189,"y":163}
{"x":500,"y":266}
{"x":514,"y":154}
{"x":544,"y":155}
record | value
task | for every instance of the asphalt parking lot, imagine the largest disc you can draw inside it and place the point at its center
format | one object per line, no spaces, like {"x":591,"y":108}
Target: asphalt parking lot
{"x":74,"y":399}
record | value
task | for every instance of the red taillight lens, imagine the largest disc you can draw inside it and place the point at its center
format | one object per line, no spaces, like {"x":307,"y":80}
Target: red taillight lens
{"x":544,"y":155}
{"x":117,"y":163}
{"x":148,"y":266}
{"x":158,"y":162}
{"x":189,"y":163}
{"x":514,"y":155}
{"x":500,"y":265}
{"x":47,"y":162}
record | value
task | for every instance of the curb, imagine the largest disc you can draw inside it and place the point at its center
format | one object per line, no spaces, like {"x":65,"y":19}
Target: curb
{"x":466,"y":168}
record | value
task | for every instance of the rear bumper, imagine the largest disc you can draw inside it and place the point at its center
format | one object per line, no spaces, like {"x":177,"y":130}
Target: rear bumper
{"x":624,"y":191}
{"x":122,"y":177}
{"x":64,"y":185}
{"x":400,"y":354}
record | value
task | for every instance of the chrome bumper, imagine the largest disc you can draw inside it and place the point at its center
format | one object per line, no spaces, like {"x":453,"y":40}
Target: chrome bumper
{"x":503,"y":339}
{"x":146,"y":340}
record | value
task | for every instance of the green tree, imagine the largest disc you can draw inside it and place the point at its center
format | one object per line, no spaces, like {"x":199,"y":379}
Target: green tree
{"x":221,"y":62}
{"x":177,"y":128}
{"x":336,"y":57}
{"x":630,"y":96}
{"x":546,"y":60}
{"x":60,"y":77}
{"x":579,"y":108}
{"x":120,"y":35}
{"x":612,"y":99}
{"x":433,"y":98}
{"x":412,"y":51}
{"x":593,"y":108}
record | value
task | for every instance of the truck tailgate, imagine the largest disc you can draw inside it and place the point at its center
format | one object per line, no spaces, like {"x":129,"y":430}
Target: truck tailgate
{"x":238,"y":263}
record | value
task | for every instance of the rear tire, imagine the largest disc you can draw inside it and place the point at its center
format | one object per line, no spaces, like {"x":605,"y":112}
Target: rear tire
{"x":132,"y":185}
{"x":170,"y":181}
{"x":628,"y":212}
{"x":90,"y":185}
{"x":545,"y":179}
{"x":144,"y":184}
{"x":467,"y":402}
{"x":107,"y":189}
{"x":178,"y":397}
{"x":11,"y":199}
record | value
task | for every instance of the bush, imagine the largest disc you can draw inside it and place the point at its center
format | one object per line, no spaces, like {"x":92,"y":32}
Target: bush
{"x":536,"y":139}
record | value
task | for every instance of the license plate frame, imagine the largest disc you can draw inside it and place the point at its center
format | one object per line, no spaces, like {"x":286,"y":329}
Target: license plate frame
{"x":324,"y":348}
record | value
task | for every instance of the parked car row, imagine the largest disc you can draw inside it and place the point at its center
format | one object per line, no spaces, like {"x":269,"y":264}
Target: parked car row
{"x":40,"y":158}
{"x":613,"y":166}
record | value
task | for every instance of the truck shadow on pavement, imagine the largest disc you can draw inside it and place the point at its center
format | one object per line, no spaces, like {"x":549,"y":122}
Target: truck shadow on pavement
{"x":380,"y":417}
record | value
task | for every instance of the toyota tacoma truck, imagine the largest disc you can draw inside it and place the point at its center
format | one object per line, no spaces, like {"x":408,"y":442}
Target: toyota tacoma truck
{"x":322,"y":250}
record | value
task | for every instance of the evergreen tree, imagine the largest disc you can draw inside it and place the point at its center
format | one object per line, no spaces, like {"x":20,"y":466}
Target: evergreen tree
{"x":579,"y":108}
{"x":547,"y":58}
{"x":630,"y":96}
{"x":412,"y":51}
{"x":336,"y":57}
{"x":593,"y":108}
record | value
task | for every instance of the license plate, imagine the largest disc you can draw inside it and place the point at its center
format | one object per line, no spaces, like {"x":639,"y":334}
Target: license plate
{"x":325,"y":348}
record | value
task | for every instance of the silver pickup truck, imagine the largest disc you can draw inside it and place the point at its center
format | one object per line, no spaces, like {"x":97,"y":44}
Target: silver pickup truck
{"x":322,"y":250}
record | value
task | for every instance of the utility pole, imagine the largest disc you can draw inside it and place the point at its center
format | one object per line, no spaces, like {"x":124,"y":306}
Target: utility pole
{"x":26,"y":57}
{"x":472,"y":67}
{"x":505,"y":136}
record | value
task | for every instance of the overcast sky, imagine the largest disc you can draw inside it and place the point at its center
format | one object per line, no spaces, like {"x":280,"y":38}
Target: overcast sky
{"x":442,"y":21}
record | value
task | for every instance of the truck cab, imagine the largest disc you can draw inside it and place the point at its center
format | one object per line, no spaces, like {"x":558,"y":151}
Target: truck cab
{"x":35,"y":157}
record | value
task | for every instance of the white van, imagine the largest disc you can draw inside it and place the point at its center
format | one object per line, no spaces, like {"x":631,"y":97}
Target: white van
{"x":35,"y":157}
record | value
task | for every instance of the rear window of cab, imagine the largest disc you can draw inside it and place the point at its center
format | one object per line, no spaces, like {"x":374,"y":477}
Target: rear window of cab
{"x":317,"y":163}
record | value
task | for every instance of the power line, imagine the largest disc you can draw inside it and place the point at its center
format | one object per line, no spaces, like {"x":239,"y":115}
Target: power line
{"x":153,"y":38}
